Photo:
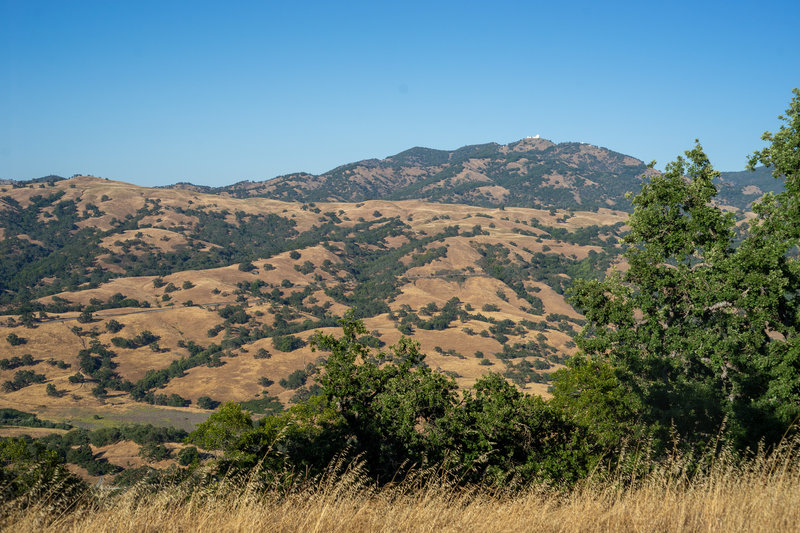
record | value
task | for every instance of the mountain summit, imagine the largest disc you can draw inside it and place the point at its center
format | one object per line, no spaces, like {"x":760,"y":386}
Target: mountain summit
{"x":532,"y":172}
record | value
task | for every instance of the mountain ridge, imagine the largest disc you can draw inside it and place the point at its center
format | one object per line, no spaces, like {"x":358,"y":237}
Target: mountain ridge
{"x":532,"y":172}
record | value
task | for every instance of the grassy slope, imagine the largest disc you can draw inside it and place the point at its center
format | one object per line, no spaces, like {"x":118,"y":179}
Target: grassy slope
{"x":238,"y":378}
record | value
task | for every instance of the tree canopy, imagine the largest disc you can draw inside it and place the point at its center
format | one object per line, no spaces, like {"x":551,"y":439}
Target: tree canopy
{"x":700,"y":334}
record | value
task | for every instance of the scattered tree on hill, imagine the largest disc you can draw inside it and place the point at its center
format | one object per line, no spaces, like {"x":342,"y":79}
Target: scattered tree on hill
{"x":154,"y":452}
{"x":287,"y":343}
{"x":22,"y":379}
{"x":15,"y":340}
{"x":114,"y":326}
{"x":51,"y":390}
{"x":205,"y":402}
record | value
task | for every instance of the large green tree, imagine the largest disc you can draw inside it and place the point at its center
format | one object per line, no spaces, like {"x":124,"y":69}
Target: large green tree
{"x":699,"y":334}
{"x":390,"y":402}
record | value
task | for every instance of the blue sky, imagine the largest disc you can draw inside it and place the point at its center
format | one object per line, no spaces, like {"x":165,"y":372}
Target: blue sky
{"x":217,"y":92}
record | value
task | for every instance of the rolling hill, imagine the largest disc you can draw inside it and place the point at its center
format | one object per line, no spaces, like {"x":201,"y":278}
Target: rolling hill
{"x":154,"y":304}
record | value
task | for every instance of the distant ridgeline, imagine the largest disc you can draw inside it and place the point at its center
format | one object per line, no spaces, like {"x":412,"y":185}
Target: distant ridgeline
{"x":54,"y":238}
{"x":532,"y":172}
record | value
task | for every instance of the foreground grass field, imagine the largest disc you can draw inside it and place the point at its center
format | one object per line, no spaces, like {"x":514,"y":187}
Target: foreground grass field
{"x":760,"y":495}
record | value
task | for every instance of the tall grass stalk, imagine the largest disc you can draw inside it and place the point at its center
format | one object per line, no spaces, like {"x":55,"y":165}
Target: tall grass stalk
{"x":760,"y":494}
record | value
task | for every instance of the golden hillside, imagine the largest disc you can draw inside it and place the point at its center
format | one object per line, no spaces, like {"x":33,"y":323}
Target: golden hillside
{"x":180,"y":264}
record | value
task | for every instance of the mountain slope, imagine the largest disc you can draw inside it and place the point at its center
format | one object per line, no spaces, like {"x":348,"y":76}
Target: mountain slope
{"x":533,"y":172}
{"x":529,"y":173}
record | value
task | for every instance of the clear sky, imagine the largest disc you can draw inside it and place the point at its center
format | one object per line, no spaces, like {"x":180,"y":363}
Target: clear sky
{"x":217,"y":92}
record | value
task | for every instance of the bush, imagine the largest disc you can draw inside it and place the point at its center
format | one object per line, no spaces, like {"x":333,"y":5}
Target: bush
{"x":205,"y":402}
{"x":188,"y":456}
{"x":22,"y":379}
{"x":295,"y":380}
{"x":16,"y":362}
{"x":15,"y":340}
{"x":153,"y":452}
{"x":53,"y":391}
{"x":287,"y":343}
{"x":262,"y":354}
{"x":113,"y":326}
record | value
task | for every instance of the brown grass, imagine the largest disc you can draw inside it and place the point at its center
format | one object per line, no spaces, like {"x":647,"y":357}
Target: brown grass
{"x":762,"y":495}
{"x":238,"y":378}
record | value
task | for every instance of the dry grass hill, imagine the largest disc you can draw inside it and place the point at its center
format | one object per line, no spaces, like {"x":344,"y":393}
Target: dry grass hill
{"x":480,"y":289}
{"x":126,"y":304}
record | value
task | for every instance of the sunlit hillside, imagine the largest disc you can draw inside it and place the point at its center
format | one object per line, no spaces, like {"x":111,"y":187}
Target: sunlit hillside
{"x":253,"y":279}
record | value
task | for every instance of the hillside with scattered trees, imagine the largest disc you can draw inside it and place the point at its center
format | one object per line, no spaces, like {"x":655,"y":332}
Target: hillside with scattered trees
{"x":388,"y":350}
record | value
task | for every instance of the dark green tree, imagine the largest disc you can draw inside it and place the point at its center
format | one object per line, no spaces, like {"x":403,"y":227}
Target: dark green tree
{"x":499,"y":435}
{"x":699,"y":334}
{"x":15,"y":340}
{"x":188,"y":456}
{"x":390,"y":402}
{"x":223,"y":430}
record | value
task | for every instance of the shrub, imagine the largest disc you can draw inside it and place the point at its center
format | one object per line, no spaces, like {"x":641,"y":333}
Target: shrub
{"x":114,"y":326}
{"x":15,"y":340}
{"x":85,"y":317}
{"x":295,"y":380}
{"x":154,"y":452}
{"x":247,"y":266}
{"x":287,"y":343}
{"x":205,"y":402}
{"x":188,"y":456}
{"x":53,"y":391}
{"x":262,"y":354}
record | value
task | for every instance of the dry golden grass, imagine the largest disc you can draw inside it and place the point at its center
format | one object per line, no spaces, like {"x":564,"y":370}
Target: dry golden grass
{"x":762,"y":495}
{"x":237,"y":380}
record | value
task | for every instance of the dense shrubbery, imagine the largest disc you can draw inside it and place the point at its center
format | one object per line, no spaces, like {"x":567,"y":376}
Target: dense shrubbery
{"x":35,"y":468}
{"x":395,"y":412}
{"x":22,"y":379}
{"x":16,"y":362}
{"x":13,"y":417}
{"x":287,"y":343}
{"x":144,"y":338}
